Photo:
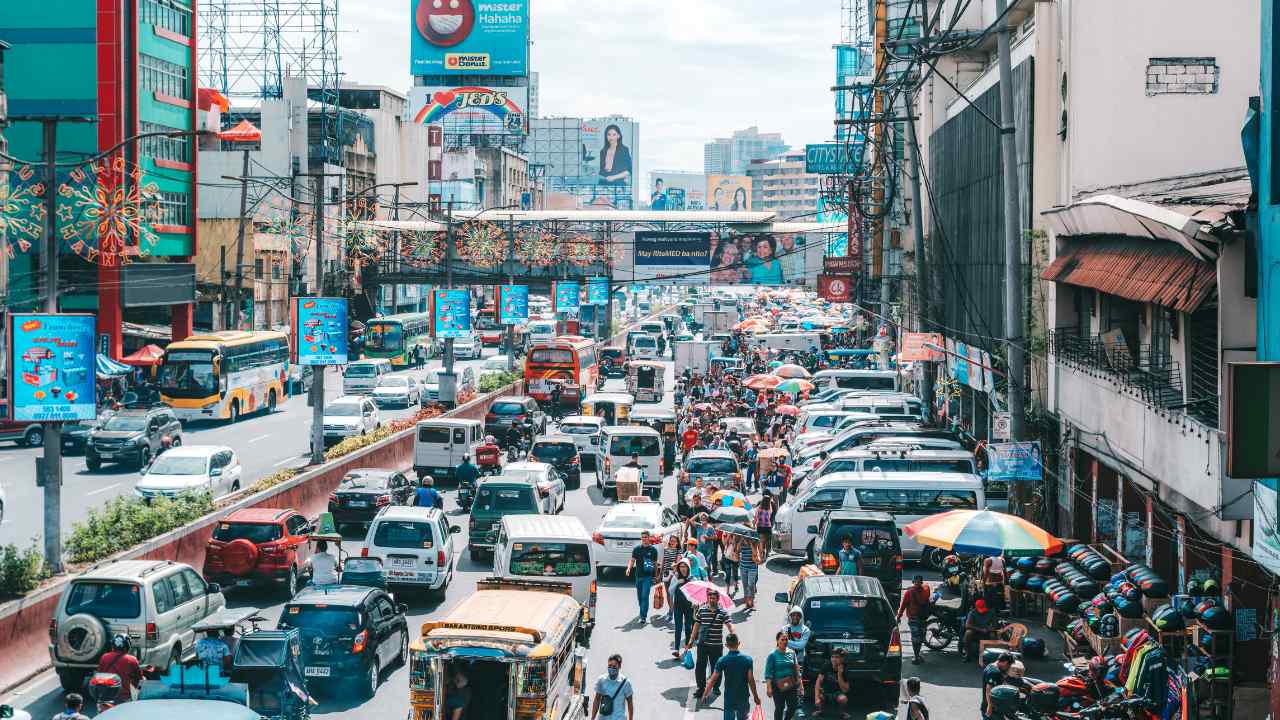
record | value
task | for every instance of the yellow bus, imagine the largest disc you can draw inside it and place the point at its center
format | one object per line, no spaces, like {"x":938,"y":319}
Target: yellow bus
{"x":222,"y":375}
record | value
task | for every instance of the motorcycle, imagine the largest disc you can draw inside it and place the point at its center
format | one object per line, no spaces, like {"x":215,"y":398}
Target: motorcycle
{"x":104,"y":688}
{"x":466,"y":497}
{"x":943,"y":626}
{"x":519,"y":449}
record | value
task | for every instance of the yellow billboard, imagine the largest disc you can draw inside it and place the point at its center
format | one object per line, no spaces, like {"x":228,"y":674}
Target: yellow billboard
{"x":728,"y":192}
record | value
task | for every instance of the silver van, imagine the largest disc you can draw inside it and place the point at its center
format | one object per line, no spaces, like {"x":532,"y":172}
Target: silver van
{"x":885,"y":380}
{"x":362,"y":376}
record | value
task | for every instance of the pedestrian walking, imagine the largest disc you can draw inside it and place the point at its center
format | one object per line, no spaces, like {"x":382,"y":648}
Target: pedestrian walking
{"x":764,"y":523}
{"x":643,"y":566}
{"x":739,"y":681}
{"x":613,"y":692}
{"x":681,"y":607}
{"x":749,"y":560}
{"x":783,"y":680}
{"x":707,"y":544}
{"x":670,"y":554}
{"x":915,"y":605}
{"x":916,"y":709}
{"x":729,"y":562}
{"x":709,"y":623}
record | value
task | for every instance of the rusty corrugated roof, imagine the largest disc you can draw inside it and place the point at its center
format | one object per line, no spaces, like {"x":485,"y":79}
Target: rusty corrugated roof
{"x":1139,"y":270}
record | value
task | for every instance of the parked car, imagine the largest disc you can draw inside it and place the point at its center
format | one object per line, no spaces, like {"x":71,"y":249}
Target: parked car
{"x":214,"y":469}
{"x":399,"y":389}
{"x":619,"y":531}
{"x":415,"y":545}
{"x":545,"y":477}
{"x":349,"y":634}
{"x":260,"y":546}
{"x":25,"y":434}
{"x":349,"y":416}
{"x":132,"y":437}
{"x":561,"y":452}
{"x":154,"y":602}
{"x":364,"y":492}
{"x":510,"y":410}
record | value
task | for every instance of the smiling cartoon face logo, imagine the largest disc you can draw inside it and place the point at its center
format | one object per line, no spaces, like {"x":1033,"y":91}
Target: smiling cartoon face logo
{"x":445,"y":23}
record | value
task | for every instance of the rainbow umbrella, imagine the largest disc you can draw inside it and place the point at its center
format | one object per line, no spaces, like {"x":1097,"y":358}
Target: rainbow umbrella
{"x":790,"y":371}
{"x":983,"y":532}
{"x":794,"y":386}
{"x":762,"y":382}
{"x":730,"y":498}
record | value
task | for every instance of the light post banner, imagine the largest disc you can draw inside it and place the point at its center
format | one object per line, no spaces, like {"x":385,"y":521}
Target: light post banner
{"x":513,"y":304}
{"x":1015,"y":462}
{"x":452,"y":313}
{"x":598,"y":291}
{"x":566,"y":296}
{"x":320,"y":331}
{"x":52,"y":367}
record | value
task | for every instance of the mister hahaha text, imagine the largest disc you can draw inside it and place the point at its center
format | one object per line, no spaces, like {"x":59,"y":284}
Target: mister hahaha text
{"x":500,"y":13}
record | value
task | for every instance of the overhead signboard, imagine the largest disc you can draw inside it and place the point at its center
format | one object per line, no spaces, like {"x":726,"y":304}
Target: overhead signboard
{"x":921,"y":347}
{"x":469,"y":37}
{"x":320,"y":331}
{"x":473,"y":109}
{"x":52,"y":367}
{"x":452,"y":313}
{"x":567,"y":296}
{"x":598,"y":291}
{"x":671,"y":258}
{"x":513,"y":304}
{"x":835,"y":288}
{"x":1015,"y":462}
{"x":832,"y":158}
{"x":728,"y":192}
{"x":1253,"y":425}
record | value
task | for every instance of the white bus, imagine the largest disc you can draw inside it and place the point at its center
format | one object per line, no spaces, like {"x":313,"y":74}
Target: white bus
{"x":223,"y":375}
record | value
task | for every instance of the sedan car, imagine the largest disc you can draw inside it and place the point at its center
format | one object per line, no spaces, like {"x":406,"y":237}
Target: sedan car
{"x":619,"y":531}
{"x":548,"y":480}
{"x":349,"y":635}
{"x":365,"y":491}
{"x":397,"y":390}
{"x":75,"y":435}
{"x":561,"y":452}
{"x":586,"y":431}
{"x":214,"y":469}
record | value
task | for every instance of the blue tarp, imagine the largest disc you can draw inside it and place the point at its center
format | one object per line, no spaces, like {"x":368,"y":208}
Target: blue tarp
{"x":110,"y":368}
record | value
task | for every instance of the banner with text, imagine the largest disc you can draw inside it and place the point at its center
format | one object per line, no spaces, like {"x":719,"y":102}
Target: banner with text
{"x":320,"y":331}
{"x":670,"y":258}
{"x":598,"y":291}
{"x":1015,"y":462}
{"x":452,"y":312}
{"x":567,"y":296}
{"x":469,"y":37}
{"x":52,"y":367}
{"x":513,"y":304}
{"x":921,"y":347}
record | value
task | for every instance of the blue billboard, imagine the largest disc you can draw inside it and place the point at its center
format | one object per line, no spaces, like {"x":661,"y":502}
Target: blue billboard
{"x":452,"y":313}
{"x":567,"y":296}
{"x":52,"y":367}
{"x":467,"y":37}
{"x":320,"y":331}
{"x":598,"y":291}
{"x":833,"y":158}
{"x":513,"y":304}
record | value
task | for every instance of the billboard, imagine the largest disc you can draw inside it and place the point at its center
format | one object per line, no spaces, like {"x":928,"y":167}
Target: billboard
{"x":764,"y":259}
{"x":566,"y":297}
{"x":598,"y":291}
{"x":728,"y":192}
{"x":52,"y":367}
{"x":320,"y":331}
{"x":472,"y":110}
{"x":835,"y":288}
{"x":468,"y":37}
{"x":452,"y":313}
{"x":833,"y":158}
{"x":672,"y":258}
{"x":677,"y":191}
{"x":513,"y":304}
{"x":588,"y":163}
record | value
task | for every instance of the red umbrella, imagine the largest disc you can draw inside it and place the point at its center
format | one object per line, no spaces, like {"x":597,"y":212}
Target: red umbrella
{"x":791,"y":410}
{"x":146,"y":356}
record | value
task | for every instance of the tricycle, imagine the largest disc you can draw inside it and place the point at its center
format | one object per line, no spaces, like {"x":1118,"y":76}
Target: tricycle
{"x":269,"y":662}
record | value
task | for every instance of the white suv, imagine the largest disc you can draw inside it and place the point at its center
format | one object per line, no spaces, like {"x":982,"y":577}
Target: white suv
{"x":467,"y":347}
{"x":415,"y":545}
{"x":349,"y":416}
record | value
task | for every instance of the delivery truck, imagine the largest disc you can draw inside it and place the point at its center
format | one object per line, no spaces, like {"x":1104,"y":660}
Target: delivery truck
{"x":695,"y":355}
{"x":718,"y":321}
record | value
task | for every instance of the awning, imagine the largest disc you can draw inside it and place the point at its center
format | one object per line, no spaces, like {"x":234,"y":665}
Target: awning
{"x":110,"y":368}
{"x":1151,"y":271}
{"x":147,"y":356}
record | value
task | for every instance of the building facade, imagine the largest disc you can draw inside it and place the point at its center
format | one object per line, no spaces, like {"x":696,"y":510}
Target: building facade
{"x":732,"y":155}
{"x":781,"y":185}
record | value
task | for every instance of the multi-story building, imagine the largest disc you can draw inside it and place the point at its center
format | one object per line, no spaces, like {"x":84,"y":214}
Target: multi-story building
{"x":780,"y":185}
{"x":110,"y":71}
{"x":579,"y":169}
{"x":732,"y":155}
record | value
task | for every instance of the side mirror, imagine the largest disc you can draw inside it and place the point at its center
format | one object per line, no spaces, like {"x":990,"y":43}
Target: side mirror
{"x":899,"y":532}
{"x":402,"y":608}
{"x":454,"y":529}
{"x":214,"y":588}
{"x":812,"y":529}
{"x":215,"y":472}
{"x":781,"y":597}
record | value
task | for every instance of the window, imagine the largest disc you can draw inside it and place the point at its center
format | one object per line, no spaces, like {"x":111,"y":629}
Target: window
{"x":550,"y":559}
{"x":433,"y":435}
{"x":551,"y":356}
{"x":297,"y":525}
{"x":916,"y":502}
{"x":104,"y":599}
{"x":194,"y":583}
{"x":406,"y":535}
{"x":164,"y":77}
{"x":459,"y":436}
{"x":275,"y":271}
{"x":178,"y":587}
{"x":163,"y":596}
{"x":1182,"y":76}
{"x":259,"y":268}
{"x":169,"y":15}
{"x":175,"y":209}
{"x":829,"y":499}
{"x":175,"y":149}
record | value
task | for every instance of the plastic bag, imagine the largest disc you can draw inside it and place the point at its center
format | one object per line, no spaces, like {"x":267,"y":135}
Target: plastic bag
{"x":687,"y":660}
{"x":757,"y":713}
{"x":659,"y":596}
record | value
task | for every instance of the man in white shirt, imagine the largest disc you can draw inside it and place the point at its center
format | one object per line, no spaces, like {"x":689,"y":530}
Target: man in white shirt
{"x":324,"y":567}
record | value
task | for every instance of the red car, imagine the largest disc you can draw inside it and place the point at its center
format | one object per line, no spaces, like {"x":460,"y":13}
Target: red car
{"x":260,"y":546}
{"x":491,"y":334}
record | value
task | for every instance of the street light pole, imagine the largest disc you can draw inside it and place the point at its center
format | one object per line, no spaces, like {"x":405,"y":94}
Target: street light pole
{"x":511,"y":281}
{"x":52,"y":459}
{"x":448,"y":383}
{"x":317,"y":384}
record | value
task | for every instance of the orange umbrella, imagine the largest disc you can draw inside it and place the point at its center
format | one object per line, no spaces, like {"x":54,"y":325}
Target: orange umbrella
{"x":772,"y":452}
{"x":750,"y":324}
{"x":791,"y":410}
{"x":762,"y":382}
{"x":790,"y":371}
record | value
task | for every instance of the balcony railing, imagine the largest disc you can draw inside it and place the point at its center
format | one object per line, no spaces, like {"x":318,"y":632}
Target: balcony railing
{"x":1152,"y":374}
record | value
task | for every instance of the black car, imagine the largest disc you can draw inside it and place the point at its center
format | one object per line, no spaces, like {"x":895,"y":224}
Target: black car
{"x":365,"y":491}
{"x":852,"y":612}
{"x":133,"y":436}
{"x":75,"y":435}
{"x":511,"y":410}
{"x":349,"y":634}
{"x":874,"y":533}
{"x":561,"y":452}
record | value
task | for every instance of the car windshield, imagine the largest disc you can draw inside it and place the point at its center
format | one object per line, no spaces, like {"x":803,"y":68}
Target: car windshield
{"x":256,"y":533}
{"x":506,"y":498}
{"x":863,"y":382}
{"x":578,"y":429}
{"x":524,"y":474}
{"x":628,"y":445}
{"x":403,"y":534}
{"x":878,"y":538}
{"x":393,"y":381}
{"x":916,"y":502}
{"x":854,"y":615}
{"x":555,"y":451}
{"x":343,"y":409}
{"x":645,"y":341}
{"x":629,"y":521}
{"x":355,"y":481}
{"x":383,"y":336}
{"x":186,"y":371}
{"x":359,"y":371}
{"x":507,"y":408}
{"x":172,"y":465}
{"x":125,"y":423}
{"x":325,"y":621}
{"x":104,"y":599}
{"x":711,"y":466}
{"x":550,"y":559}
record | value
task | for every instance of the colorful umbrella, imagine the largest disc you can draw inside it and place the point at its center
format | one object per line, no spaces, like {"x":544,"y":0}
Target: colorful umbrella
{"x":762,"y":382}
{"x":790,"y":371}
{"x":794,"y":386}
{"x":983,"y":532}
{"x":730,"y":498}
{"x":704,"y":407}
{"x":697,"y":590}
{"x":772,"y":452}
{"x":790,"y":410}
{"x":731,"y":514}
{"x":775,"y":364}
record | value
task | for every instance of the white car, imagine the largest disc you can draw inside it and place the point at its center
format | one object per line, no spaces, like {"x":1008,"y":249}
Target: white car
{"x":645,"y":346}
{"x":467,"y":347}
{"x":495,"y":365}
{"x":541,"y":331}
{"x":587,"y":432}
{"x":465,"y":380}
{"x":398,"y":389}
{"x":619,"y":531}
{"x":349,"y":416}
{"x":545,"y":477}
{"x":415,"y":545}
{"x":214,"y":469}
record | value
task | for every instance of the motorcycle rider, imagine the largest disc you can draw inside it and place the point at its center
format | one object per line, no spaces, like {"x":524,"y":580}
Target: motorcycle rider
{"x":118,"y":661}
{"x":426,"y":494}
{"x":466,"y":473}
{"x":557,"y":399}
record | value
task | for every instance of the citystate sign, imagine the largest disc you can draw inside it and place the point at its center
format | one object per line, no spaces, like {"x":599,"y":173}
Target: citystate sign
{"x":832,"y":158}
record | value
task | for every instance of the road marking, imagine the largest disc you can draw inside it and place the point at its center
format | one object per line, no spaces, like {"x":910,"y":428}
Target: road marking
{"x":102,"y":489}
{"x":260,"y":438}
{"x":288,"y":460}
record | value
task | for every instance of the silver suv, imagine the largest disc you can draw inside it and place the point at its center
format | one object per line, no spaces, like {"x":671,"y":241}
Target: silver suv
{"x":154,"y":602}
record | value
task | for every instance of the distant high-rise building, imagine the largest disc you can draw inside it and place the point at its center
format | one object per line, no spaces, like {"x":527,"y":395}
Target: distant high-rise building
{"x":732,"y":155}
{"x":783,"y":187}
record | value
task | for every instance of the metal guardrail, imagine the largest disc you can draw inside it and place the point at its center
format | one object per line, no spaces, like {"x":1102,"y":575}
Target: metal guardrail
{"x":1152,"y":373}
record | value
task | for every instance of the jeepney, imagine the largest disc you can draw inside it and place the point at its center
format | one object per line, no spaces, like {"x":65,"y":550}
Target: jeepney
{"x":645,"y":380}
{"x":614,"y":407}
{"x":513,"y":650}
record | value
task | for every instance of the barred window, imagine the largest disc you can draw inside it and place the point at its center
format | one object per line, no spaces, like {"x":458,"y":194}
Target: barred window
{"x":164,"y":148}
{"x":172,"y":16}
{"x":175,"y":209}
{"x":164,"y":77}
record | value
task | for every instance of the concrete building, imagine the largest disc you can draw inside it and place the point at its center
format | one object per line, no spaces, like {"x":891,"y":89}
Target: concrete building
{"x":732,"y":155}
{"x":780,"y":185}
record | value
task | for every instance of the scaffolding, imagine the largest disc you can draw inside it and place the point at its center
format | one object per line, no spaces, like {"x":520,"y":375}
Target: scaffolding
{"x":249,"y":47}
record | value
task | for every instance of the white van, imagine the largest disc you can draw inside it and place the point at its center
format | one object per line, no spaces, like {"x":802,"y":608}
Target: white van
{"x":557,"y":548}
{"x":884,"y":380}
{"x":908,"y":496}
{"x":620,"y":442}
{"x":440,"y":443}
{"x":817,"y":418}
{"x":798,"y":341}
{"x":540,"y":331}
{"x":362,"y":376}
{"x":415,"y":545}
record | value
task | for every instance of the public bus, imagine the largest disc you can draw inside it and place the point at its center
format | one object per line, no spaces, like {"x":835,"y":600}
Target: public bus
{"x":396,"y":337}
{"x":223,"y":375}
{"x":569,"y":360}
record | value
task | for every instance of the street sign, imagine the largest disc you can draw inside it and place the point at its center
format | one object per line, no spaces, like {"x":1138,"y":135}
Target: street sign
{"x":1001,"y":426}
{"x":841,"y":265}
{"x":833,"y":158}
{"x":835,"y":288}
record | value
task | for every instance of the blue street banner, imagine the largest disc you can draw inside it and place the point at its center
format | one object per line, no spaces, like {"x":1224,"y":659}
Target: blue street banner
{"x":320,"y":330}
{"x":1015,"y":462}
{"x":567,"y":299}
{"x":513,"y":304}
{"x":469,"y":37}
{"x":833,"y":158}
{"x":52,"y":367}
{"x":598,"y":291}
{"x":452,"y":313}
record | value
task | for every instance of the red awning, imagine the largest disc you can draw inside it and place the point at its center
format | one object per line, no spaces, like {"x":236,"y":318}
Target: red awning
{"x":146,"y":356}
{"x":1140,"y":270}
{"x":206,"y":98}
{"x":244,"y":132}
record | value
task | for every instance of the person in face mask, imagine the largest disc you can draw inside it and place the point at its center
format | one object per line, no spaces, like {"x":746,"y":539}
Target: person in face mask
{"x":612,"y":694}
{"x":797,"y":632}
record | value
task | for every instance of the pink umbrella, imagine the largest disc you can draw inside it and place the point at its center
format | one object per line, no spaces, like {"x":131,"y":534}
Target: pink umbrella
{"x":790,"y":371}
{"x":791,"y":410}
{"x":696,"y":591}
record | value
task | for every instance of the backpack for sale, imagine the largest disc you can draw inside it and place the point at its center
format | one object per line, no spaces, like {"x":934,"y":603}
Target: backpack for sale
{"x":1166,"y":619}
{"x":1152,"y":679}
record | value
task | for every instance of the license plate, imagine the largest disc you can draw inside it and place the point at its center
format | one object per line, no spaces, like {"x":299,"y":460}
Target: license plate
{"x":621,"y":544}
{"x":403,"y":562}
{"x":358,"y":503}
{"x":244,"y":583}
{"x":106,"y":455}
{"x":316,"y":672}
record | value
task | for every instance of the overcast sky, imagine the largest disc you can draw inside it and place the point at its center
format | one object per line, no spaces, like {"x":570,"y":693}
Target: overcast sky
{"x":687,"y":71}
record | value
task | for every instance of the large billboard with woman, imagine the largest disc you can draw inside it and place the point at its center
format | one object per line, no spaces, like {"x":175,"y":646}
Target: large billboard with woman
{"x":607,"y":161}
{"x":728,"y":192}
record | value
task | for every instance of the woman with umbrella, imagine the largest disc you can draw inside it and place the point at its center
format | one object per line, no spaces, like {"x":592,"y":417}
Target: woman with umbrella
{"x":681,"y":606}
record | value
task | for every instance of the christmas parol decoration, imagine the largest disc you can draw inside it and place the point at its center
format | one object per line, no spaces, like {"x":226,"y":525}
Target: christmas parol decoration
{"x":481,"y":243}
{"x":295,"y":227}
{"x":22,"y":212}
{"x":582,"y":250}
{"x":107,"y":212}
{"x":422,"y":248}
{"x":536,"y":248}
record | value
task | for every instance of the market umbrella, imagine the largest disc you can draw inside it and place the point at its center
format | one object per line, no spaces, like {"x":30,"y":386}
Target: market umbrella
{"x":749,"y":324}
{"x":696,"y":591}
{"x":147,"y":356}
{"x":704,"y":407}
{"x":730,"y":498}
{"x":773,"y":452}
{"x":790,"y":410}
{"x":983,"y":532}
{"x":738,"y":530}
{"x":790,"y":371}
{"x":731,"y":514}
{"x":762,"y":382}
{"x":794,"y":386}
{"x":775,"y":364}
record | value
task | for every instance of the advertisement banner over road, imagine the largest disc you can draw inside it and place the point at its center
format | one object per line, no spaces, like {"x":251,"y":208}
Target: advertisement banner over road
{"x":678,"y":191}
{"x":922,"y":347}
{"x":52,"y":367}
{"x":473,"y":109}
{"x":1015,"y":462}
{"x":452,"y":312}
{"x":469,"y":37}
{"x":728,"y":192}
{"x":513,"y":304}
{"x":598,"y":291}
{"x":320,"y":331}
{"x":566,"y":296}
{"x":670,"y":258}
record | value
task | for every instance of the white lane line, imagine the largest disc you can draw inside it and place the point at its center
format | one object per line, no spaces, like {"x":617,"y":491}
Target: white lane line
{"x":260,"y":438}
{"x":102,"y":490}
{"x":287,"y":460}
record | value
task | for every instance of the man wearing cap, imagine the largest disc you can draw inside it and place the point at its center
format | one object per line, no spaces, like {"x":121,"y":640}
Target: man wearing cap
{"x":993,"y":675}
{"x":977,"y":626}
{"x":915,"y":605}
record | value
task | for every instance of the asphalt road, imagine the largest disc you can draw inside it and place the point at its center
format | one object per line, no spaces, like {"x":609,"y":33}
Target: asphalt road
{"x":663,"y":688}
{"x":265,"y":443}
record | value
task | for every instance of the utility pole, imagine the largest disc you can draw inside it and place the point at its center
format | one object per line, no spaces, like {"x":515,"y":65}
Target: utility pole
{"x":511,"y":281}
{"x":448,"y":381}
{"x":395,"y":240}
{"x":222,"y":283}
{"x":244,"y":210}
{"x":317,"y":384}
{"x":922,"y":256}
{"x":52,"y":459}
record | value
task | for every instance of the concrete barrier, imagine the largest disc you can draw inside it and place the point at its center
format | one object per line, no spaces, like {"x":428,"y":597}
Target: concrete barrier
{"x":24,"y":623}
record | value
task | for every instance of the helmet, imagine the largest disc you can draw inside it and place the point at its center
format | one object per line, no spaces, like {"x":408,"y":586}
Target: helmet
{"x":426,"y":480}
{"x":1097,"y":667}
{"x":120,"y":641}
{"x":795,"y":610}
{"x":466,"y":457}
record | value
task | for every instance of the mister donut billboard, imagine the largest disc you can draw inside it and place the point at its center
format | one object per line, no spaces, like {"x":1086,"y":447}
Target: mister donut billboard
{"x":469,"y":37}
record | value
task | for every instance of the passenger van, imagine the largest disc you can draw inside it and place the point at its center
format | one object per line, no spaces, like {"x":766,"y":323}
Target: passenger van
{"x":817,"y":418}
{"x":549,"y":547}
{"x":440,"y":444}
{"x":620,"y":442}
{"x":885,"y":380}
{"x":883,"y":404}
{"x":888,"y":458}
{"x":908,"y":496}
{"x":362,"y":376}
